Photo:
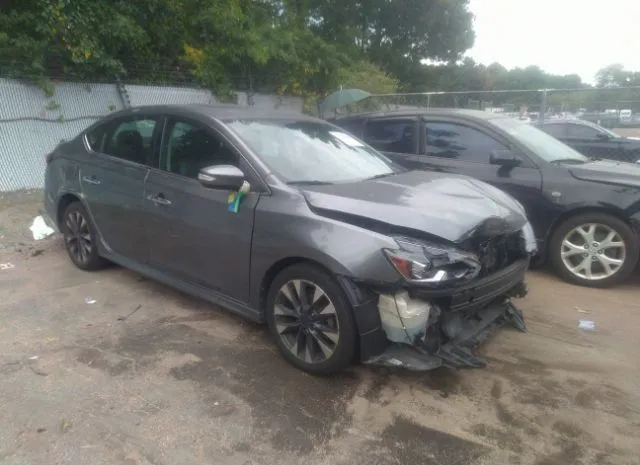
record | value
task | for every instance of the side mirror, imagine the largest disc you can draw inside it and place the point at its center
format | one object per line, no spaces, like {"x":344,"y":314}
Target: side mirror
{"x":221,"y":177}
{"x":505,"y":158}
{"x":602,"y":136}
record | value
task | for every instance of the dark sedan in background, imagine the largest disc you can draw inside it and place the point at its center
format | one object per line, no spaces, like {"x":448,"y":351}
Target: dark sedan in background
{"x":593,"y":140}
{"x":291,"y":221}
{"x":585,"y":213}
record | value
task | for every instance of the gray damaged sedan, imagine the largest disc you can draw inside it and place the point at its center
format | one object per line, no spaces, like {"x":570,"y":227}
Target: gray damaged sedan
{"x":291,"y":221}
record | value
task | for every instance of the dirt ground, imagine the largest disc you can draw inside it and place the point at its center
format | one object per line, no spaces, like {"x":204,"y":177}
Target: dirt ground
{"x":110,"y":368}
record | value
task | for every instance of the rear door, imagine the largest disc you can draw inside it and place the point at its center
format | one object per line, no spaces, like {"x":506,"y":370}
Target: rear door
{"x":193,"y":236}
{"x":113,"y":178}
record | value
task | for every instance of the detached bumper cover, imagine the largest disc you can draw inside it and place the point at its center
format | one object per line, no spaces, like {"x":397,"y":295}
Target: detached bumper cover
{"x":470,"y":315}
{"x":456,"y":353}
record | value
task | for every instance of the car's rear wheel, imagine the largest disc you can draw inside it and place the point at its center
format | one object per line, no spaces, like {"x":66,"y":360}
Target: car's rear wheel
{"x":311,"y":320}
{"x":594,"y":250}
{"x":80,"y":238}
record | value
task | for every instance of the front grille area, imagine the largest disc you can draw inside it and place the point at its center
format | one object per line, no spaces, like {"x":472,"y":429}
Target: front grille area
{"x":497,"y":252}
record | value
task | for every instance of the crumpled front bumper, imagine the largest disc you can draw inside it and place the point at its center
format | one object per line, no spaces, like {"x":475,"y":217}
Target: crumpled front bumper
{"x":461,"y":320}
{"x":458,"y":352}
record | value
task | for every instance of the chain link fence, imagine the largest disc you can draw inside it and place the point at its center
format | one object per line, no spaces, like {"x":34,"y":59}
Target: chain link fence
{"x":36,"y":114}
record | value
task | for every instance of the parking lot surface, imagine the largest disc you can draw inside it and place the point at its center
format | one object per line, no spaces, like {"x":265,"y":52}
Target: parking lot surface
{"x":112,"y":368}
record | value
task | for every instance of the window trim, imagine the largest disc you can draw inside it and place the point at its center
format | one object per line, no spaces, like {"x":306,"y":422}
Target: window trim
{"x":376,"y":119}
{"x":488,"y":131}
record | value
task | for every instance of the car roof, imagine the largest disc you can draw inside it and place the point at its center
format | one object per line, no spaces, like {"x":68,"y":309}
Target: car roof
{"x":555,"y":122}
{"x":223,"y":112}
{"x":463,"y":112}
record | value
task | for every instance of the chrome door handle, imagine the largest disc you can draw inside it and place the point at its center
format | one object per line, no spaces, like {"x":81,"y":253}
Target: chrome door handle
{"x":90,"y":180}
{"x":159,"y":200}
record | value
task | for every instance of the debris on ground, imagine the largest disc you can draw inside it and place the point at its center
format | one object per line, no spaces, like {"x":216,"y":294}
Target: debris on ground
{"x":6,"y":266}
{"x":65,"y":425}
{"x":587,"y":325}
{"x":39,"y":228}
{"x":89,"y":300}
{"x":36,"y":252}
{"x":122,"y":318}
{"x":580,"y":310}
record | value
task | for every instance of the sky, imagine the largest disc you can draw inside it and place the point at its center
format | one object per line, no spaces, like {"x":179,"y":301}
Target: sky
{"x":559,"y":36}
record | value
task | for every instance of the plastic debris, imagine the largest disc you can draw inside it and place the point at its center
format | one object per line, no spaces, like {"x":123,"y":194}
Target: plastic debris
{"x":65,"y":425}
{"x":580,"y":310}
{"x":89,"y":300}
{"x":6,"y":266}
{"x":39,"y":228}
{"x":35,"y":357}
{"x":587,"y":325}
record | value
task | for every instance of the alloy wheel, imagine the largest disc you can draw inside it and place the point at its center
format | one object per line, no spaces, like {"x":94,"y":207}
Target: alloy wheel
{"x":78,"y":236}
{"x":306,"y":321}
{"x":593,"y":251}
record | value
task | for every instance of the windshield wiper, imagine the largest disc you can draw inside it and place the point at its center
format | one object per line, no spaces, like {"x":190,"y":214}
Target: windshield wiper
{"x":383,"y":175}
{"x":310,"y":182}
{"x":576,"y":161}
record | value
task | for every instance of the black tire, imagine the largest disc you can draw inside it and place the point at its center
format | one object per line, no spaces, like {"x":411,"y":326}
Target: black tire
{"x":80,"y":238}
{"x":624,"y":231}
{"x":341,"y":322}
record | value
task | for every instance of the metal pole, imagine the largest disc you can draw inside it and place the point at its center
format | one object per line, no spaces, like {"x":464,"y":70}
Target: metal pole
{"x":543,"y":106}
{"x":428,"y":101}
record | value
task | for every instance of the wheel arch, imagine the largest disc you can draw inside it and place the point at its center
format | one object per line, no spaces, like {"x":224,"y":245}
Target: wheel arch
{"x":615,"y":212}
{"x":278,"y":267}
{"x":63,"y":202}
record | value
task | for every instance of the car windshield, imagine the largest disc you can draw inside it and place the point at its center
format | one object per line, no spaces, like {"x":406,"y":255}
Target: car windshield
{"x":542,"y":144}
{"x":311,"y":152}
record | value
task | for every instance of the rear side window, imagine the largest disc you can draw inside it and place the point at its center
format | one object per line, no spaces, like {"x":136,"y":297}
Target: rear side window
{"x":95,"y":138}
{"x":131,"y":139}
{"x":555,"y":130}
{"x":450,"y":140}
{"x":391,"y":135}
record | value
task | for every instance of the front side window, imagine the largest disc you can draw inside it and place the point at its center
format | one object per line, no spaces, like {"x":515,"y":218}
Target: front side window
{"x":546,"y":147}
{"x":311,"y":152}
{"x":191,"y":147}
{"x":451,"y":140}
{"x":131,"y":139}
{"x":391,"y":135}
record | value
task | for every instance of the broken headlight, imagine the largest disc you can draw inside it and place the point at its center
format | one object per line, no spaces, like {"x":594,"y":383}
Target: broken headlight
{"x":421,"y":262}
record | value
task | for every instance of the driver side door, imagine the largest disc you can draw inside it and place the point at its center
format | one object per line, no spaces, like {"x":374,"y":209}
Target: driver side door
{"x":192,"y":234}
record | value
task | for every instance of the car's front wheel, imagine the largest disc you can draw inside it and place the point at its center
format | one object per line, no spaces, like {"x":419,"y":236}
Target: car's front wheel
{"x":311,"y":320}
{"x":594,"y":250}
{"x":80,"y":238}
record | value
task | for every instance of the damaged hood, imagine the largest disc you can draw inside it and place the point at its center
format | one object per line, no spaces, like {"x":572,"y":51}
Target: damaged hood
{"x":448,"y":206}
{"x":609,"y":171}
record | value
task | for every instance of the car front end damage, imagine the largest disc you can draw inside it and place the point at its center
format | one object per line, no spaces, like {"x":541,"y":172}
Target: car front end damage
{"x":449,"y":300}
